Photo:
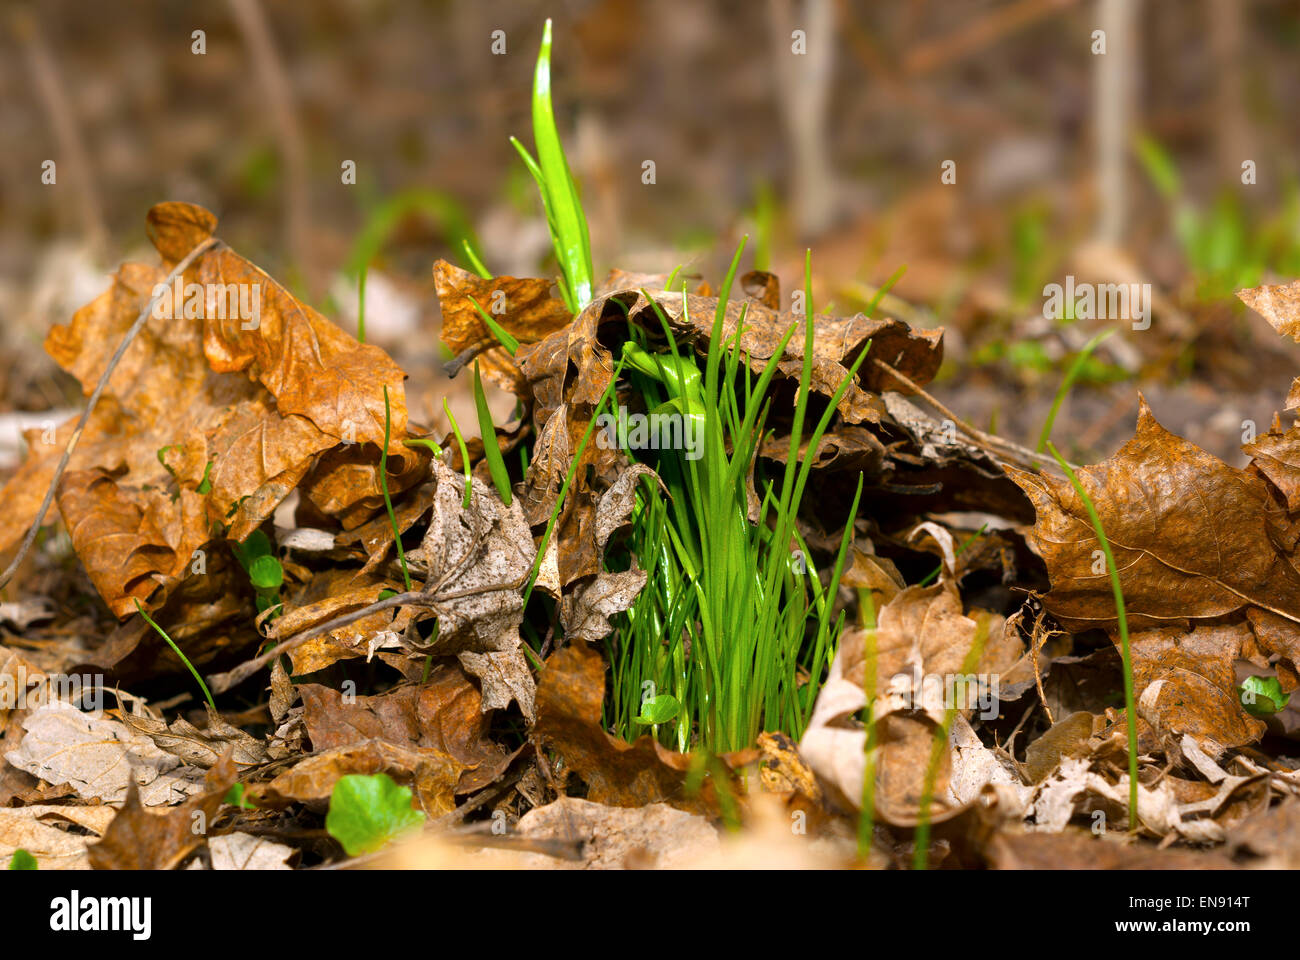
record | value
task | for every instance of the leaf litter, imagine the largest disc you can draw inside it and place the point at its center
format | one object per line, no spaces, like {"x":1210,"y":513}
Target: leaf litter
{"x":974,"y":712}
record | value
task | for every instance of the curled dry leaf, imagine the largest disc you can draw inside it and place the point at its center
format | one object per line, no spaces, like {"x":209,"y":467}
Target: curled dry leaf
{"x":477,"y":561}
{"x":200,"y":748}
{"x":443,"y":714}
{"x":1280,"y":306}
{"x":1185,"y":682}
{"x":525,"y":308}
{"x":921,"y":645}
{"x":235,"y":390}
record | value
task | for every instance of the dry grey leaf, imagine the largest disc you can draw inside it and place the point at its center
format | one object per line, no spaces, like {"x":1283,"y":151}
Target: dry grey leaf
{"x":504,"y":676}
{"x":98,"y":757}
{"x":32,"y":829}
{"x":585,"y":612}
{"x":201,"y":748}
{"x":243,"y":851}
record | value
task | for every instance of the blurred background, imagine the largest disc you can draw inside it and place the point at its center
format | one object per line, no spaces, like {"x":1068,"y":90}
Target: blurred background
{"x":1162,"y":150}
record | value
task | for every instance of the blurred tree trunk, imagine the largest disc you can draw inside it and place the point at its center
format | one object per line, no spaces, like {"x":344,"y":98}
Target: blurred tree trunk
{"x":803,"y":96}
{"x":1114,"y":79}
{"x":1232,"y":132}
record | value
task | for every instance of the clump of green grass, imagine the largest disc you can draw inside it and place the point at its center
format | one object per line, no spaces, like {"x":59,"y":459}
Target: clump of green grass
{"x":730,"y":624}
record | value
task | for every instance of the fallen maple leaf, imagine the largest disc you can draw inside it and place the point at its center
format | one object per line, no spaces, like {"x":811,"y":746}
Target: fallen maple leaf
{"x":1190,"y":536}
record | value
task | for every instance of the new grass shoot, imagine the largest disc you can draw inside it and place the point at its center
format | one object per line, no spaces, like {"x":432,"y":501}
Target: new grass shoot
{"x":564,"y":215}
{"x":1130,"y":708}
{"x":177,"y":650}
{"x":731,"y":624}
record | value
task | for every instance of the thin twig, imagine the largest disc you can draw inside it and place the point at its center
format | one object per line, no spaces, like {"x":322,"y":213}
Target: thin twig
{"x":210,"y":244}
{"x":221,"y":682}
{"x":1005,"y":449}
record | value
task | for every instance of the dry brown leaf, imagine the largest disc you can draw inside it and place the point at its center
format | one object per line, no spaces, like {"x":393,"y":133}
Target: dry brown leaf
{"x":200,"y":748}
{"x":524,"y":307}
{"x":434,"y":775}
{"x":185,"y":403}
{"x":140,"y":840}
{"x":443,"y":714}
{"x":1190,"y":536}
{"x":33,"y":828}
{"x":921,"y":645}
{"x":616,"y":772}
{"x":1184,"y":682}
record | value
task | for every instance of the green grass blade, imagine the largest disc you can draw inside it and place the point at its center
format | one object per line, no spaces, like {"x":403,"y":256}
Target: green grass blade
{"x":1070,"y":376}
{"x":384,"y":488}
{"x":572,"y":243}
{"x":884,"y":289}
{"x":464,"y":454}
{"x":361,"y":303}
{"x":475,"y":262}
{"x":503,"y":335}
{"x":177,"y":650}
{"x":488,"y":431}
{"x":1129,"y":707}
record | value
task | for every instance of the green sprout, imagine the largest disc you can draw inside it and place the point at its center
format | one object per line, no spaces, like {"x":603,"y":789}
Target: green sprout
{"x":22,"y":860}
{"x":495,"y":461}
{"x":264,"y":571}
{"x":564,"y":215}
{"x":177,"y":650}
{"x":1263,"y":696}
{"x":1129,"y":704}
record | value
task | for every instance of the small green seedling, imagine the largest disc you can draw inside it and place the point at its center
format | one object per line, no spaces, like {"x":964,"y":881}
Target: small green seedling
{"x":1263,"y":696}
{"x":488,"y":431}
{"x":661,"y":709}
{"x":177,"y":650}
{"x":264,"y":571}
{"x":367,"y":812}
{"x":235,"y":797}
{"x":22,"y":860}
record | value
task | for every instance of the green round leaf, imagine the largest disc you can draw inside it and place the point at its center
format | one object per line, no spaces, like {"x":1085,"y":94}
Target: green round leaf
{"x":257,"y":544}
{"x":266,"y":573}
{"x":22,"y":860}
{"x":1262,"y":696}
{"x":659,"y":709}
{"x":368,"y":811}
